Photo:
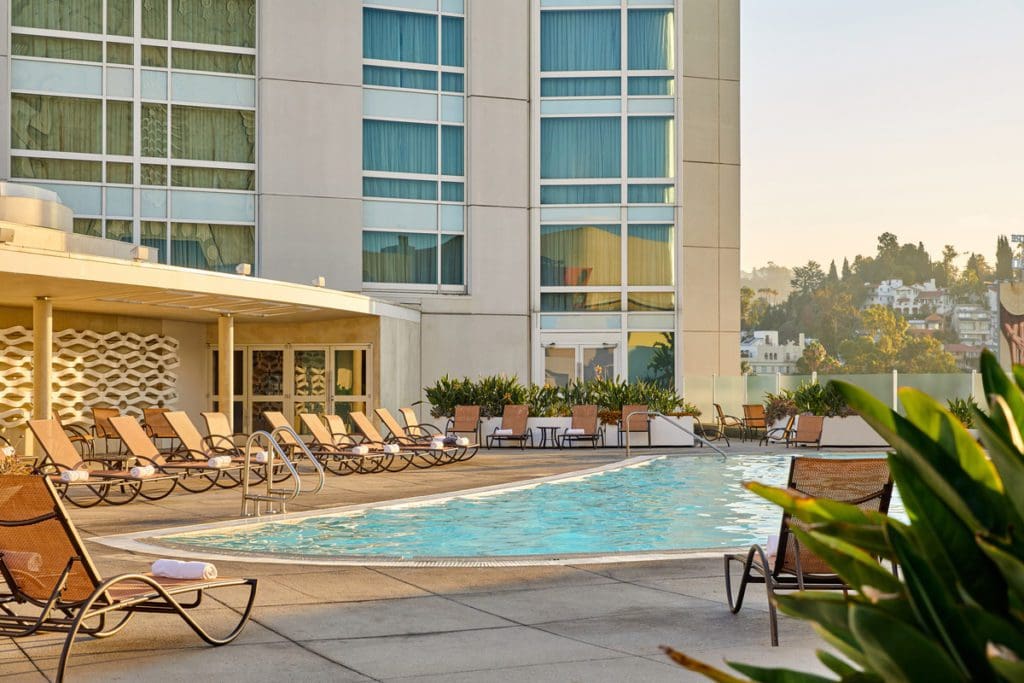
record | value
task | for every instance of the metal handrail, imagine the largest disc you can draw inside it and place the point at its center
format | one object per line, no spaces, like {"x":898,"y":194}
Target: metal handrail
{"x":655,"y":413}
{"x":275,"y":495}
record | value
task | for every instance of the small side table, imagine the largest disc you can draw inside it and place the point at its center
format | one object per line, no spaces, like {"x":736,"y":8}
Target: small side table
{"x":553,"y":431}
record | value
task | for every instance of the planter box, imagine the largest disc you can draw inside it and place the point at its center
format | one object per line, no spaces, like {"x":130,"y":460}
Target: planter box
{"x":849,"y":431}
{"x":662,"y":433}
{"x":489,"y":424}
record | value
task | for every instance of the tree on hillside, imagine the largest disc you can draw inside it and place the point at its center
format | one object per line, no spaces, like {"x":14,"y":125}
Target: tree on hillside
{"x":807,"y":279}
{"x":816,"y":359}
{"x":885,"y":345}
{"x":977,"y":264}
{"x":945,"y":272}
{"x":846,"y":269}
{"x":833,"y":274}
{"x":1004,"y":259}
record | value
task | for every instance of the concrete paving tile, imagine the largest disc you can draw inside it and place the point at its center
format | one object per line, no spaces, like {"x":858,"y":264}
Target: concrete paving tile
{"x":617,"y":670}
{"x":573,"y":602}
{"x":347,"y":584}
{"x":375,"y":618}
{"x":449,"y":653}
{"x":456,"y":580}
{"x":685,"y":568}
{"x":798,"y":657}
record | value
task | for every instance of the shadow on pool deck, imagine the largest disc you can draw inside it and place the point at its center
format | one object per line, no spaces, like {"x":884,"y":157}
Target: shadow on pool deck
{"x":587,"y":623}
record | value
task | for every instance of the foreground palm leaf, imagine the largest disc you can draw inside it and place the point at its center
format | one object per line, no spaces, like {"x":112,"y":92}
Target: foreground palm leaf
{"x":957,"y":611}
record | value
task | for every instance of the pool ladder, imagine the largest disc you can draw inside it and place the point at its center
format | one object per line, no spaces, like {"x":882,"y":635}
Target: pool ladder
{"x":654,"y":413}
{"x":275,"y":500}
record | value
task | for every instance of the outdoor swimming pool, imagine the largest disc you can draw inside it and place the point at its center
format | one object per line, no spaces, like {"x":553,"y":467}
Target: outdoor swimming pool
{"x":663,"y":504}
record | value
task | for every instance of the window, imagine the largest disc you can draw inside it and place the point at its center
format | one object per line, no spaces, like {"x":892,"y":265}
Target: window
{"x":580,"y":148}
{"x":81,"y":123}
{"x":580,"y":40}
{"x":414,"y":165}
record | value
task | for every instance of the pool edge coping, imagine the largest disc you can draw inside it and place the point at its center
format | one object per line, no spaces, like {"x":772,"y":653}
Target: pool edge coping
{"x":146,"y":542}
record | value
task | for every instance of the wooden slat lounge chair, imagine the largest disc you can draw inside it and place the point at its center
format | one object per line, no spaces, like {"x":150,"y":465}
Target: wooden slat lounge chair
{"x":373,"y":439}
{"x":808,"y":431}
{"x":197,"y":475}
{"x":49,"y":573}
{"x":638,"y":422}
{"x":450,"y":452}
{"x":101,"y":428}
{"x":779,"y":435}
{"x":513,"y":427}
{"x":415,"y":428}
{"x":113,"y":486}
{"x":342,"y":459}
{"x":585,"y":427}
{"x":864,"y":482}
{"x":753,"y":419}
{"x":465,"y":421}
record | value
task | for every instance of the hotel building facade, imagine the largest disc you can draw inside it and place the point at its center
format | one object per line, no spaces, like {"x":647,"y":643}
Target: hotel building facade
{"x":545,"y":188}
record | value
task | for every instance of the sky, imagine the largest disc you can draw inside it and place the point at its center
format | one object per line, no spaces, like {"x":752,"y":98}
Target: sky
{"x":865,"y":116}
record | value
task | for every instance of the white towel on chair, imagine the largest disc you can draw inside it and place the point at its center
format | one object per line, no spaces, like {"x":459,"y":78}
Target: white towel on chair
{"x":360,"y":450}
{"x":575,"y":431}
{"x":437,"y":445}
{"x":8,"y":451}
{"x":219,"y":461}
{"x":260,"y":457}
{"x":22,"y":560}
{"x":142,"y":472}
{"x":502,"y":432}
{"x":462,"y":441}
{"x":176,"y":569}
{"x":392,"y":448}
{"x":69,"y":476}
{"x":772,"y":546}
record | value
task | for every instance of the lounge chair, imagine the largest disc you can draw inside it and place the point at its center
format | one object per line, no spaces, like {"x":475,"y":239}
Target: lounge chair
{"x":808,"y":431}
{"x":634,"y":420}
{"x":723,"y":422}
{"x":190,"y":441}
{"x":754,"y":419}
{"x":79,"y":435}
{"x":49,"y":573}
{"x":513,"y":427}
{"x":450,"y":450}
{"x":375,"y":441}
{"x":59,"y":456}
{"x":219,"y":434}
{"x":585,"y":427}
{"x":101,"y":428}
{"x":465,"y":421}
{"x":864,"y":482}
{"x":197,"y":474}
{"x":338,"y":451}
{"x":779,"y":435}
{"x":155,"y":424}
{"x":414,"y":427}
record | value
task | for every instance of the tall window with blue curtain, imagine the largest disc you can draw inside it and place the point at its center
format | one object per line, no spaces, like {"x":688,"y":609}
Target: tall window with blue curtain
{"x":607,"y":149}
{"x":414,"y":157}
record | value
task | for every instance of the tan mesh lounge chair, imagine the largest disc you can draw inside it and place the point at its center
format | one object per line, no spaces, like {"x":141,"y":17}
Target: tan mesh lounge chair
{"x":79,"y":435}
{"x":465,"y":421}
{"x":779,"y":434}
{"x":808,"y":431}
{"x":585,"y":427}
{"x":451,"y":452}
{"x":113,"y":486}
{"x":415,"y":428}
{"x":101,"y":428}
{"x":339,"y":430}
{"x":513,"y":427}
{"x":639,"y":422}
{"x":50,"y":575}
{"x":219,"y":434}
{"x":754,"y":420}
{"x":155,"y":424}
{"x":864,"y":482}
{"x":374,"y":440}
{"x":191,"y":442}
{"x":197,"y":475}
{"x":338,"y":455}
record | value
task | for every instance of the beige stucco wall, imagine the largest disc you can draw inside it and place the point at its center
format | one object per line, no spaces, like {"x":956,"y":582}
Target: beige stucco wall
{"x":709,"y":167}
{"x":400,"y":359}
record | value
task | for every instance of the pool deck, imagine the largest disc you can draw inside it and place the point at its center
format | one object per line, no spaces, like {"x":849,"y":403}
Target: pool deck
{"x":598,"y":622}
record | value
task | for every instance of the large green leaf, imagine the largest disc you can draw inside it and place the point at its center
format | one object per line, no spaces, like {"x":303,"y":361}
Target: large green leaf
{"x":869,"y":538}
{"x":1012,"y":567}
{"x":996,"y":383}
{"x":856,"y":567}
{"x":970,"y":501}
{"x":812,"y":510}
{"x":763,"y":675}
{"x":935,"y":602}
{"x":829,"y":612}
{"x":1005,"y":454}
{"x":898,"y":651}
{"x":1010,"y":668}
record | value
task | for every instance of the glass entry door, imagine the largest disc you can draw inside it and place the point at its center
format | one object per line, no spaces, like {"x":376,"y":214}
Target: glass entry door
{"x":565,"y":363}
{"x":309,"y":382}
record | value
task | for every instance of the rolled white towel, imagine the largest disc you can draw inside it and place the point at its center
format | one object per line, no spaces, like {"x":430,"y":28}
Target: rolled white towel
{"x":219,"y":461}
{"x":437,"y":445}
{"x":260,"y":457}
{"x":503,"y":432}
{"x":462,"y":441}
{"x":392,"y":448}
{"x":772,"y":546}
{"x":70,"y":476}
{"x":142,"y":472}
{"x":22,"y":560}
{"x":575,"y":431}
{"x":360,"y":450}
{"x":8,"y":451}
{"x":176,"y":569}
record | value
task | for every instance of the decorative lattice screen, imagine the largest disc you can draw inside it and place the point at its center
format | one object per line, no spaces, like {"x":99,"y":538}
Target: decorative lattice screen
{"x":118,"y":369}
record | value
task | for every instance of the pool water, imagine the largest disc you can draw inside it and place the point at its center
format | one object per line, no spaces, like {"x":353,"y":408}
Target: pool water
{"x":663,"y":504}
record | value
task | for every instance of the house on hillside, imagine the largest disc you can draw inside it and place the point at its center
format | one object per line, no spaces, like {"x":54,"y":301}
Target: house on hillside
{"x":765,"y":355}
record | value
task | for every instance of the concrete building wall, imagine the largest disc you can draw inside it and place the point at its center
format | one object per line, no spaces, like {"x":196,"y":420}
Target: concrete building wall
{"x":709,"y":321}
{"x":400,"y":354}
{"x":5,"y":99}
{"x":474,"y":345}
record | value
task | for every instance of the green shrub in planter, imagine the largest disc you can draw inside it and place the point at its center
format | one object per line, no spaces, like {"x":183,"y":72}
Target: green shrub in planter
{"x":956,"y":612}
{"x":963,"y":409}
{"x":818,"y":399}
{"x":779,"y":406}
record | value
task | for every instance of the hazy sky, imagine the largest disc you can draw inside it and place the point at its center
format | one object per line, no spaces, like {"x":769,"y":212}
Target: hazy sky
{"x":866,"y":116}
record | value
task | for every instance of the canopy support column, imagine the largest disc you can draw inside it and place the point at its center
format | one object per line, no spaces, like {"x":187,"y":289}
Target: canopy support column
{"x":226,"y":366}
{"x":42,"y":364}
